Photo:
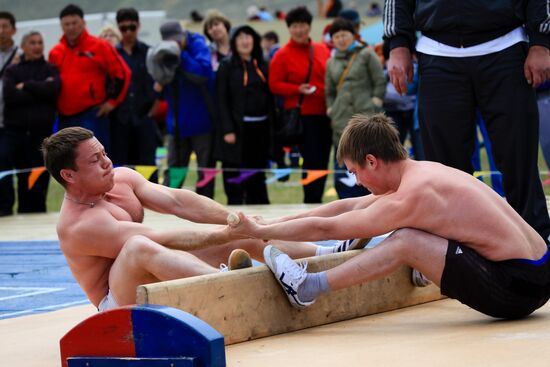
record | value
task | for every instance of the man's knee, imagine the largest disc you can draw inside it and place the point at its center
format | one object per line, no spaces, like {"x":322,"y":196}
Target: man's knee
{"x":138,"y":248}
{"x":406,"y":239}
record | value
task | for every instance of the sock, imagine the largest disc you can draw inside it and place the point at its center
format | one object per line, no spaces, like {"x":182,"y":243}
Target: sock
{"x":324,"y":250}
{"x":314,"y":285}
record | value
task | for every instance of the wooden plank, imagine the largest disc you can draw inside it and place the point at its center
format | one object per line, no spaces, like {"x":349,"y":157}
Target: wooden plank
{"x":249,"y":304}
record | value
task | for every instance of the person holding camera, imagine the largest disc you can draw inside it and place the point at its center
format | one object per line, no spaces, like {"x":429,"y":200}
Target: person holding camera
{"x":189,"y":103}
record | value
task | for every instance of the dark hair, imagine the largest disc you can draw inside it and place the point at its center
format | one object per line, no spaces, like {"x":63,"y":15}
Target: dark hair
{"x":71,"y":9}
{"x":341,"y":24}
{"x":212,"y":17}
{"x":9,"y":16}
{"x":299,"y":14}
{"x":370,"y":134}
{"x":256,"y":49}
{"x":124,"y":14}
{"x":59,"y":149}
{"x":272,"y":36}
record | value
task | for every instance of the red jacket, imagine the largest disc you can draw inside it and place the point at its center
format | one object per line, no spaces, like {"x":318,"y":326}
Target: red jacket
{"x":288,"y":70}
{"x":84,"y":70}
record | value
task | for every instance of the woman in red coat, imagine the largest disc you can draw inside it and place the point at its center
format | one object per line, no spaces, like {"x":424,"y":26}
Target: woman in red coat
{"x":287,"y":78}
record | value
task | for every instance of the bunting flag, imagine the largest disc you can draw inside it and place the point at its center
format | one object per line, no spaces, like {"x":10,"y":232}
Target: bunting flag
{"x":278,"y":173}
{"x":331,"y":192}
{"x":208,"y":175}
{"x":146,"y":171}
{"x":485,"y":173}
{"x":176,"y":176}
{"x":35,"y":174}
{"x":349,"y":180}
{"x":313,"y":175}
{"x":8,"y":173}
{"x":243,"y":176}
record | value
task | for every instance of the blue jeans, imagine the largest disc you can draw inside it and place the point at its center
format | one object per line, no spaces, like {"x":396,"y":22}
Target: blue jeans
{"x":88,"y":119}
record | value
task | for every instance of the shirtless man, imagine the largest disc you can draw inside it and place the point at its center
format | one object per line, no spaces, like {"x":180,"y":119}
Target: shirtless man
{"x":450,"y":226}
{"x":108,"y":249}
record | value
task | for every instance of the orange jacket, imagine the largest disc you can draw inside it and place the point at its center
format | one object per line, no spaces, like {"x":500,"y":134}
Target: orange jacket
{"x":84,"y":70}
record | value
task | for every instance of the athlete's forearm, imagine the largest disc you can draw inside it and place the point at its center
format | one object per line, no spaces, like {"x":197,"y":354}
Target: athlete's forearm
{"x":302,"y":229}
{"x":200,"y":209}
{"x":327,"y":210}
{"x":188,"y":240}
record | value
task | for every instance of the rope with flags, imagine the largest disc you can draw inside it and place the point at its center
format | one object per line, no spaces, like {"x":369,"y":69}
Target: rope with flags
{"x":177,"y":175}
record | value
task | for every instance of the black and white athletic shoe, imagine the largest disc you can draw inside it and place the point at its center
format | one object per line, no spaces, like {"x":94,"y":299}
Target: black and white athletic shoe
{"x":289,"y":274}
{"x":351,"y":244}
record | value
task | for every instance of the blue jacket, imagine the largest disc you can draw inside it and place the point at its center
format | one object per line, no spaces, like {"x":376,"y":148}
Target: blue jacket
{"x":189,"y":90}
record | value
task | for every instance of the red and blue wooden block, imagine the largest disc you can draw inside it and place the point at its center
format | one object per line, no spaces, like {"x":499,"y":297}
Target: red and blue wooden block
{"x":143,"y":335}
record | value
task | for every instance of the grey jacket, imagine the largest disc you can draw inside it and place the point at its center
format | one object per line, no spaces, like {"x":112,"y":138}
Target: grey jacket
{"x":364,"y":81}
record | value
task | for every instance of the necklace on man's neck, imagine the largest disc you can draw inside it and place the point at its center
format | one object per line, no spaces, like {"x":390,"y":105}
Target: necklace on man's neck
{"x":91,"y":204}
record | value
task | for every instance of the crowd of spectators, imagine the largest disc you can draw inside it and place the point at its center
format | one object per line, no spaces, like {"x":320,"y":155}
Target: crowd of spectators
{"x":221,"y":95}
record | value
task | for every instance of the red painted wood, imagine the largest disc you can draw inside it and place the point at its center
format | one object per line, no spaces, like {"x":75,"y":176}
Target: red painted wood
{"x":108,"y":333}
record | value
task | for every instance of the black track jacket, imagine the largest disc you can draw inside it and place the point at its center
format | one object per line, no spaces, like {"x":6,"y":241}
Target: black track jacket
{"x":465,"y":23}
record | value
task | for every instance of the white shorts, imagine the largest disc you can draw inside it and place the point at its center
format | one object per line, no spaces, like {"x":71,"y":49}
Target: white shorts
{"x":107,"y":303}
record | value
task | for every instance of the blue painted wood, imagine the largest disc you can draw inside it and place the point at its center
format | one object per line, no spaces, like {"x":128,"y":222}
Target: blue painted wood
{"x":132,"y":362}
{"x":166,"y":331}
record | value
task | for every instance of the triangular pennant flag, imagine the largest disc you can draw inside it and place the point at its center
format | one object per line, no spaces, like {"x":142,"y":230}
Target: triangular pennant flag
{"x":278,"y":173}
{"x":349,"y":180}
{"x":35,"y":174}
{"x":146,"y":171}
{"x":243,"y":176}
{"x":177,"y":176}
{"x":7,"y":173}
{"x":208,"y":175}
{"x":313,"y":175}
{"x":331,"y":192}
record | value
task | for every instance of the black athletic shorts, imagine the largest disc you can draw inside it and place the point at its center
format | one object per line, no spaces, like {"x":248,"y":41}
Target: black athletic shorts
{"x":505,"y":289}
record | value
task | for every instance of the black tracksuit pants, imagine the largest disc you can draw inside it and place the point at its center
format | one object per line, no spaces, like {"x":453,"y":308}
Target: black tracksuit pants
{"x":450,"y":90}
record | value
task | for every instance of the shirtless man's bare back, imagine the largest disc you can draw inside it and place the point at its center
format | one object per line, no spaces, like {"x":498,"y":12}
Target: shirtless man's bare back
{"x":447,"y":224}
{"x":108,"y":249}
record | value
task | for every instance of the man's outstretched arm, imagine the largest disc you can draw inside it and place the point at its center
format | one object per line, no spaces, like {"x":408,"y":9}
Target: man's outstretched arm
{"x":108,"y":241}
{"x":180,"y":202}
{"x":332,"y":209}
{"x":368,"y":222}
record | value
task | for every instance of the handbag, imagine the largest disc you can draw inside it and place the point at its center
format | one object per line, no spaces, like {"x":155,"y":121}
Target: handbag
{"x":292,"y":130}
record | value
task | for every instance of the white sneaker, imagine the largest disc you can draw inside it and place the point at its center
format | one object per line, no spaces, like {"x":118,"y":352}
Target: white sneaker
{"x":289,"y":274}
{"x":419,"y":279}
{"x":352,"y":244}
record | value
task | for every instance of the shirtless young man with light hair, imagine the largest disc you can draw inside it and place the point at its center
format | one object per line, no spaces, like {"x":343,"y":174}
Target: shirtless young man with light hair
{"x":447,"y":224}
{"x":108,"y":249}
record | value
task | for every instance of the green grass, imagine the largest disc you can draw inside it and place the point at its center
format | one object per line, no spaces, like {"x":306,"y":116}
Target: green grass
{"x":289,"y":192}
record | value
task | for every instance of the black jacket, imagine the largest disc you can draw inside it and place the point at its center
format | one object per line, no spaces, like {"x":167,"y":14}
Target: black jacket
{"x":232,"y":100}
{"x":140,"y":96}
{"x":33,"y":107}
{"x":464,"y":23}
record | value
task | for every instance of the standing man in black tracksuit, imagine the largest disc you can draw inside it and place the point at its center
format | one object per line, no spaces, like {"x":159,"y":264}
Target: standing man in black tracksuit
{"x":478,"y":54}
